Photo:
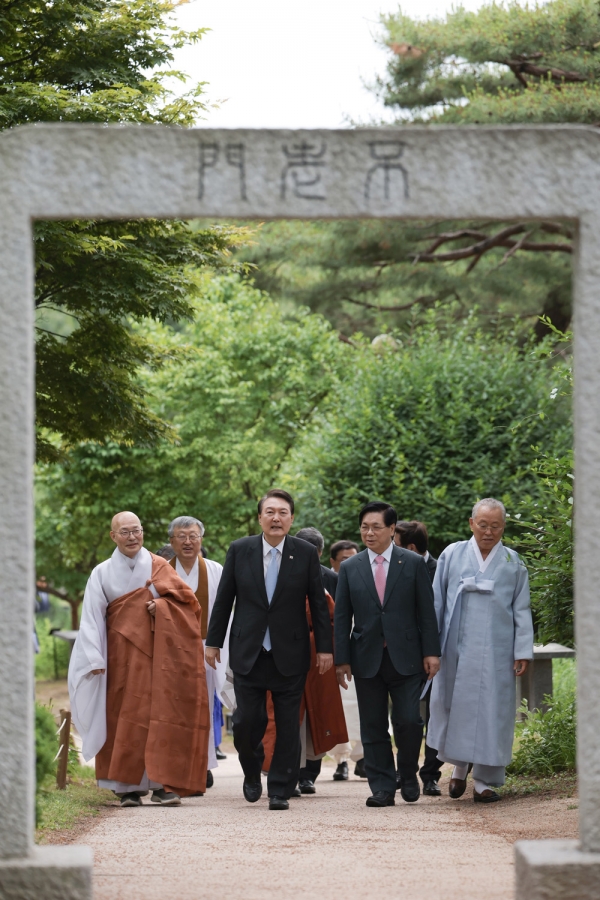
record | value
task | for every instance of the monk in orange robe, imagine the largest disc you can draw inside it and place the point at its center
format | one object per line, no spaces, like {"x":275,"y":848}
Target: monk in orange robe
{"x":145,"y":713}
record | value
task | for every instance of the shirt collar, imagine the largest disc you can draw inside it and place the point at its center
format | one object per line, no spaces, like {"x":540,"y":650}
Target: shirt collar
{"x":387,"y":554}
{"x":267,"y":547}
{"x":426,"y":555}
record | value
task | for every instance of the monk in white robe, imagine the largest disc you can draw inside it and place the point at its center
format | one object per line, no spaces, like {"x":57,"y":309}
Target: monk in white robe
{"x":139,"y":644}
{"x":481,"y":593}
{"x":202,"y":576}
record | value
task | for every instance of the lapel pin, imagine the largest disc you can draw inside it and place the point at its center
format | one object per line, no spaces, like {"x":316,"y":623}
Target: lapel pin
{"x":399,"y":562}
{"x":291,"y":557}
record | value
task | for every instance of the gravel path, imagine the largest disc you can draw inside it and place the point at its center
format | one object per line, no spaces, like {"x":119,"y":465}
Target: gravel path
{"x":329,"y":845}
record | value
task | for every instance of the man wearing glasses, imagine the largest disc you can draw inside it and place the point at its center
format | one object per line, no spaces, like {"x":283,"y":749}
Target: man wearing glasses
{"x":136,"y":678}
{"x":203,"y":577}
{"x":386,"y":636}
{"x":481,"y":593}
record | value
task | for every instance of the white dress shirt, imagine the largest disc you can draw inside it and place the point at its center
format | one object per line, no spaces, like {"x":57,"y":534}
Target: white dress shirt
{"x":387,"y":555}
{"x":267,"y":554}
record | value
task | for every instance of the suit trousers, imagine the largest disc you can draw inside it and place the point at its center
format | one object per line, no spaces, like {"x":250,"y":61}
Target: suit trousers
{"x":372,"y":694}
{"x":250,"y":722}
{"x":431,"y":769}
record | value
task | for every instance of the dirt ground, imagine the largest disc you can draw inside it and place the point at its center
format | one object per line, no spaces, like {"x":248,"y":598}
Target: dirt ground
{"x":328,"y":844}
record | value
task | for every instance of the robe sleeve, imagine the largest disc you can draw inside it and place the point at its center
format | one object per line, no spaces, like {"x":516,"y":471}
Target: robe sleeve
{"x":522,"y":616}
{"x":440,"y":587}
{"x":87,"y":691}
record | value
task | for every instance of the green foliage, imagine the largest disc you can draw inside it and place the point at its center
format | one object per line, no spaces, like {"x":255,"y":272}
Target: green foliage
{"x":52,"y":662}
{"x":546,"y":741}
{"x":364,"y":275}
{"x":62,"y":810}
{"x":241,"y":383}
{"x":446,"y":416}
{"x":102,"y":61}
{"x":506,"y":62}
{"x":46,"y":748}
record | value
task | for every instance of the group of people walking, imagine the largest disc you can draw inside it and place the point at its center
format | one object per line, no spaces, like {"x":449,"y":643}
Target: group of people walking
{"x":312,"y":658}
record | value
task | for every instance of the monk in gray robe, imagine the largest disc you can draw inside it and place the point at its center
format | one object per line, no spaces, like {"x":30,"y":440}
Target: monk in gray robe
{"x":481,"y":593}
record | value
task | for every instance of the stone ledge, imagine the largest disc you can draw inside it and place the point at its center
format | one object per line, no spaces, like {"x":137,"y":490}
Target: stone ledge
{"x":556,"y":870}
{"x":50,"y":872}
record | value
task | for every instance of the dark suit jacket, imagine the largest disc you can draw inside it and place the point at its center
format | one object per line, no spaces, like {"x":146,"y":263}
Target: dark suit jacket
{"x":431,"y":566}
{"x":243,"y":580}
{"x":330,"y":580}
{"x":406,"y":621}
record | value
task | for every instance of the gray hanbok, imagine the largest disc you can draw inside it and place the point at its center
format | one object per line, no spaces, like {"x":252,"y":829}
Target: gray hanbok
{"x":485,"y":625}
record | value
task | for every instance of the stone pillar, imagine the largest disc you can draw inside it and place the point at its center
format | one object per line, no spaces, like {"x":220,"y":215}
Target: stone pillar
{"x":54,"y":873}
{"x":570,"y":870}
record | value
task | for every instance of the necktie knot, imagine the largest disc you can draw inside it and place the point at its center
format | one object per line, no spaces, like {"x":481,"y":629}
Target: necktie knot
{"x":380,"y":560}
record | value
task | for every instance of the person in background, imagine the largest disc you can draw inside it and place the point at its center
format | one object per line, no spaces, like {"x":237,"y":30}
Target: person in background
{"x":339,"y":551}
{"x":352,"y":750}
{"x":481,"y":592}
{"x":186,"y":534}
{"x":314,"y":537}
{"x":413,"y":536}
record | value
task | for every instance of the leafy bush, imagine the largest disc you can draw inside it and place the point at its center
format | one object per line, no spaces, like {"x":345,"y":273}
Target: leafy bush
{"x":46,"y":748}
{"x":546,"y":741}
{"x":430,"y":421}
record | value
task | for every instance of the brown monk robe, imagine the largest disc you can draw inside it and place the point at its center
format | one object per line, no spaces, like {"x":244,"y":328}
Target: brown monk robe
{"x":157,"y":711}
{"x":322,"y":703}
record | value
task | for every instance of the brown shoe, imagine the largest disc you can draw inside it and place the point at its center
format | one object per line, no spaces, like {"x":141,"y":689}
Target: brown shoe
{"x":457,"y":787}
{"x":486,"y":796}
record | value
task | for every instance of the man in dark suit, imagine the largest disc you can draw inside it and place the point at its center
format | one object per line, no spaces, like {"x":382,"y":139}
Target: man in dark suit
{"x":270,"y":576}
{"x":413,"y":536}
{"x":386,"y":635}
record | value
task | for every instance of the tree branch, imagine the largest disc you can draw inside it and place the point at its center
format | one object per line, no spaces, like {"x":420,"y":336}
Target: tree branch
{"x":503,"y":238}
{"x":426,"y":298}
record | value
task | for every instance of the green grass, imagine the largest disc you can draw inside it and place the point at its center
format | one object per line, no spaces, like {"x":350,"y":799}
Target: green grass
{"x":560,"y":784}
{"x":63,"y":810}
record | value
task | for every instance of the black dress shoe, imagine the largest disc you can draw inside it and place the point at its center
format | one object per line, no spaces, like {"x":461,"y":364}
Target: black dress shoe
{"x":307,"y":786}
{"x":252,"y":789}
{"x":278,"y":803}
{"x":432,"y":789}
{"x":398,"y":781}
{"x":219,"y":754}
{"x":381,"y":798}
{"x":341,"y":773}
{"x":359,"y":768}
{"x":209,"y":779}
{"x":487,"y":796}
{"x":410,"y":790}
{"x":296,"y":793}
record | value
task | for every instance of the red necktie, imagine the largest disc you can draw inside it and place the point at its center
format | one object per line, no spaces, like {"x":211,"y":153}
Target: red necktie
{"x":380,"y":578}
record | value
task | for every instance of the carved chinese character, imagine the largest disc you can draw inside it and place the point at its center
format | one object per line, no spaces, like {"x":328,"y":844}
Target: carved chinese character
{"x":386,"y":155}
{"x":235,"y":156}
{"x":302,"y":171}
{"x":209,"y":154}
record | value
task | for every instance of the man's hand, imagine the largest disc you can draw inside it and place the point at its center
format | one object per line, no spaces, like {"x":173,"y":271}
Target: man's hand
{"x":324,"y":662}
{"x":97,"y":671}
{"x":151,"y":607}
{"x":431,"y":664}
{"x":521,"y":666}
{"x":344,"y":676}
{"x":212,"y":656}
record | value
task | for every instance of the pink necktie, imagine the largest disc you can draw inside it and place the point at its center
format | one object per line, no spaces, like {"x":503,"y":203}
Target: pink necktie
{"x":380,"y":578}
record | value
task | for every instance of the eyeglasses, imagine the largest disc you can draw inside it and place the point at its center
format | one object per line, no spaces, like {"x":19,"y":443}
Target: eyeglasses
{"x":125,"y":532}
{"x":374,"y":528}
{"x":492,"y":528}
{"x":194,"y":538}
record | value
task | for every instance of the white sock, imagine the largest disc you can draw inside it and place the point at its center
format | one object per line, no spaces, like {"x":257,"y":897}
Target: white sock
{"x":480,"y":786}
{"x":461,"y":772}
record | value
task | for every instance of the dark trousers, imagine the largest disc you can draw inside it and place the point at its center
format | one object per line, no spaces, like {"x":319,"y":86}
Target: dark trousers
{"x":372,"y":695}
{"x":311,"y":771}
{"x":431,"y":769}
{"x":250,"y":722}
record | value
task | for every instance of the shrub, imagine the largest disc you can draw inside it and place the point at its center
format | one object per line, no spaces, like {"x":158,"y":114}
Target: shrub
{"x":46,"y":748}
{"x":53,"y":659}
{"x":546,"y":741}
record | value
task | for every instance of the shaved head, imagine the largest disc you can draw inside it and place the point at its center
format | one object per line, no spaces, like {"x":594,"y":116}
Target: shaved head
{"x":124,"y":520}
